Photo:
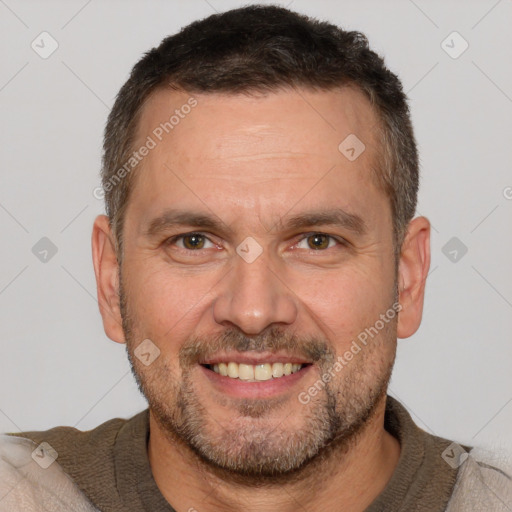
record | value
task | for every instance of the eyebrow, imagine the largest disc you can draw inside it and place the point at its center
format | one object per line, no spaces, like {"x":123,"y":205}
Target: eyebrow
{"x":336,"y":217}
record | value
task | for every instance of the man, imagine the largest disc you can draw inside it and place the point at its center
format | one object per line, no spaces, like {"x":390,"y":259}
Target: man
{"x":259,"y":258}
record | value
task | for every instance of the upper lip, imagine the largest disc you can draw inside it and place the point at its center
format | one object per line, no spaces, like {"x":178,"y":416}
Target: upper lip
{"x":254,"y":358}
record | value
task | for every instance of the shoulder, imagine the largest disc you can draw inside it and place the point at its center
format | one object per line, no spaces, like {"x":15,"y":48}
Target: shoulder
{"x":60,"y":469}
{"x":104,"y":434}
{"x":32,"y":481}
{"x":484,"y":482}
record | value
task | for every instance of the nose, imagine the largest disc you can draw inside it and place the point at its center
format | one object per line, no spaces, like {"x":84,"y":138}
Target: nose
{"x":253,"y":298}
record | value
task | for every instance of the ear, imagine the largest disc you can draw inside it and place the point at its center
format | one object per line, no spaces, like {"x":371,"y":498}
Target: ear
{"x":106,"y":269}
{"x":412,"y":274}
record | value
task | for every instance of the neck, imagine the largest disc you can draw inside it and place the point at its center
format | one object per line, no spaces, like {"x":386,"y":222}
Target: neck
{"x":352,"y":475}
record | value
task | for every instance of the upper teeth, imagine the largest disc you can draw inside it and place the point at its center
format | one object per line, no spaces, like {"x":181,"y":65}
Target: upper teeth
{"x":255,"y":371}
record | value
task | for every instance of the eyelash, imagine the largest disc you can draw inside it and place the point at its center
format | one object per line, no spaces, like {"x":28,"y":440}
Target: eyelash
{"x":174,"y":239}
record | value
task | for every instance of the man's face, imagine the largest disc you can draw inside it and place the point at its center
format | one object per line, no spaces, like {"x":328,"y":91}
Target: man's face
{"x":275,"y":277}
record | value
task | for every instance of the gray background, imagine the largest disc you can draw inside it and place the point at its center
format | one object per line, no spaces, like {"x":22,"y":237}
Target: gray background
{"x":57,"y":367}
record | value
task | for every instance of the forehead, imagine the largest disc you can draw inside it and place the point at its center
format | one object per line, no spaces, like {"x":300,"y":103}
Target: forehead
{"x":258,"y":151}
{"x":235,"y":122}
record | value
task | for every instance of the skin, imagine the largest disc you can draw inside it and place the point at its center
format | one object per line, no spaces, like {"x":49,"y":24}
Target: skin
{"x":252,"y":163}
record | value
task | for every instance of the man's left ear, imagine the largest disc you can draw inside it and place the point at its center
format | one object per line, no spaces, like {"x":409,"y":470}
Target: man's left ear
{"x":412,"y":274}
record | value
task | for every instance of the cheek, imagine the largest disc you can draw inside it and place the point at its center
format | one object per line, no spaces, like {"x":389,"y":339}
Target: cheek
{"x":164,"y":302}
{"x":347,"y":301}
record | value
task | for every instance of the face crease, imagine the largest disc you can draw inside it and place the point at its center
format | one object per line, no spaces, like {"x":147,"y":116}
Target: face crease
{"x":259,"y":166}
{"x":265,"y":156}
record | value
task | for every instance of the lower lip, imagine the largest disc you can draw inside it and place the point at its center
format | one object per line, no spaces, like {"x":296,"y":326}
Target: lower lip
{"x":260,"y":389}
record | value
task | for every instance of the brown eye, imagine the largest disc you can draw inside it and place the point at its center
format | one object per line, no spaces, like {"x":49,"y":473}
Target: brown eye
{"x":193,"y":241}
{"x":318,"y":241}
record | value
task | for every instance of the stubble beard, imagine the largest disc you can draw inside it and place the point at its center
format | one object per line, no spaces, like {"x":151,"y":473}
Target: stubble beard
{"x":249,"y":448}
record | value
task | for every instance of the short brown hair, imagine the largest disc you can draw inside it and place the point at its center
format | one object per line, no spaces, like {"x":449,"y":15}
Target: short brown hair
{"x":262,"y":49}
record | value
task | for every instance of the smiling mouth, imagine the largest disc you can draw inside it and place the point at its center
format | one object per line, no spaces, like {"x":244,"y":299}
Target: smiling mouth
{"x":255,"y":372}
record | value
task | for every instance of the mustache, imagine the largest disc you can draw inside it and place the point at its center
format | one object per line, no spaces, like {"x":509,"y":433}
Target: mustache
{"x":311,"y":348}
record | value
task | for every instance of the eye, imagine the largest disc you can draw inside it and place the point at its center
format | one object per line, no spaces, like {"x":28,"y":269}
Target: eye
{"x":318,"y":242}
{"x":190,"y":241}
